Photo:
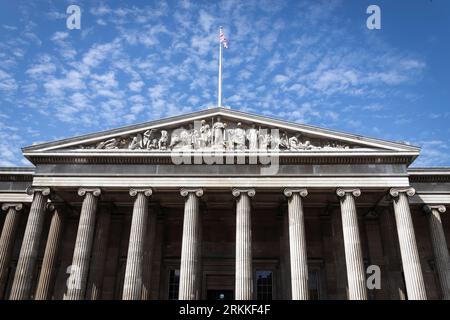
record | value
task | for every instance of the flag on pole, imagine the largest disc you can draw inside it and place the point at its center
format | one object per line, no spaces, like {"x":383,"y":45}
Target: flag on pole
{"x":222,"y":38}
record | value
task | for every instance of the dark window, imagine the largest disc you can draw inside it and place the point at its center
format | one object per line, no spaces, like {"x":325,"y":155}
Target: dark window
{"x":314,"y":285}
{"x":264,"y":285}
{"x":174,"y":283}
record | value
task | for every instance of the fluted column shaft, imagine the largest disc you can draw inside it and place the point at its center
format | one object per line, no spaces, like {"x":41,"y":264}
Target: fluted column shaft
{"x":132,"y":287}
{"x":440,"y":249}
{"x":352,"y":245}
{"x":244,"y":272}
{"x":190,"y":249}
{"x":83,"y":245}
{"x":297,"y":244}
{"x":99,"y":253}
{"x":148,"y":254}
{"x":7,"y":240}
{"x":412,"y":270}
{"x":28,"y":252}
{"x":51,"y":251}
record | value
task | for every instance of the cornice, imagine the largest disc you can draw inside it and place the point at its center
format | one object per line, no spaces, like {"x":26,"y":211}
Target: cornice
{"x":284,"y":158}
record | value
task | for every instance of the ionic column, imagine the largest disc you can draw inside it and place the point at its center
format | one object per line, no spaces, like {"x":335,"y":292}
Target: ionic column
{"x":28,"y":252}
{"x":190,"y":250}
{"x":7,"y":240}
{"x":244,"y":272}
{"x":132,"y":287}
{"x":83,"y":245}
{"x":99,"y":253}
{"x":440,"y":249}
{"x":51,"y":251}
{"x":356,"y":277}
{"x":297,"y":244}
{"x":412,"y":270}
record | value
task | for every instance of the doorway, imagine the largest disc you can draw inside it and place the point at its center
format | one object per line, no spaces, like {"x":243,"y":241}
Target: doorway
{"x":219,"y":286}
{"x":220,"y":295}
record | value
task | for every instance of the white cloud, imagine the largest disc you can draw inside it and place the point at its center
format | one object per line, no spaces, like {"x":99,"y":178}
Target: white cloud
{"x":136,"y":86}
{"x":98,"y":53}
{"x":7,"y":82}
{"x":45,"y":66}
{"x":205,"y":20}
{"x":280,"y":79}
{"x":59,"y":36}
{"x":73,"y":80}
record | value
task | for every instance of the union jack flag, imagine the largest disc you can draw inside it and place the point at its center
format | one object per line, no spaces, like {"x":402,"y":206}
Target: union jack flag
{"x":222,"y":38}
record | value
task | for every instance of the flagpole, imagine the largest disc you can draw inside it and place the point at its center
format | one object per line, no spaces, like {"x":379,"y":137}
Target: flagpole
{"x":219,"y":93}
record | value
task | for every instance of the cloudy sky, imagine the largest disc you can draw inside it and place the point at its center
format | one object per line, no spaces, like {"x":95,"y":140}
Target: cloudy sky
{"x":313,"y":62}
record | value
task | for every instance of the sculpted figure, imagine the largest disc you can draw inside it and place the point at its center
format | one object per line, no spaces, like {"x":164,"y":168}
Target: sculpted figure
{"x":163,"y":141}
{"x":195,"y":138}
{"x":146,"y":140}
{"x":306,"y":145}
{"x":284,"y":141}
{"x":205,"y":135}
{"x":239,"y":137}
{"x":123,"y":142}
{"x":252,"y":137}
{"x":185,"y":138}
{"x":136,"y":142}
{"x":296,"y":144}
{"x":153,"y":144}
{"x":218,"y":128}
{"x":264,"y":140}
{"x":175,"y":139}
{"x":229,"y":136}
{"x":108,"y":144}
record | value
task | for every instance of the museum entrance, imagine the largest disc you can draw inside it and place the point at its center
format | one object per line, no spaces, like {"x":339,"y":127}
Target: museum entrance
{"x":219,"y":286}
{"x":220,"y":295}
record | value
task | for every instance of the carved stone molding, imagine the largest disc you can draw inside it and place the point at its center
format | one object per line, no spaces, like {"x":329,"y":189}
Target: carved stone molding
{"x":428,"y":208}
{"x":185,"y":191}
{"x":96,"y":192}
{"x":147,"y":192}
{"x":394,"y":192}
{"x":16,"y":206}
{"x":341,"y":192}
{"x":288,"y":192}
{"x":249,"y":191}
{"x":44,"y":190}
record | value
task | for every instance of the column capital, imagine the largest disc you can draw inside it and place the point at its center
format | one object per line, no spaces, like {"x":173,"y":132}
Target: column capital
{"x":147,"y":192}
{"x":428,"y":208}
{"x":341,"y":192}
{"x":44,"y":190}
{"x":394,"y":192}
{"x":95,"y":191}
{"x":16,"y":206}
{"x":50,"y":207}
{"x":185,"y":191}
{"x":288,"y":192}
{"x":249,"y":191}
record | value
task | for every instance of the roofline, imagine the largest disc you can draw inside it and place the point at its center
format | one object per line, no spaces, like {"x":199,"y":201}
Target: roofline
{"x":213,"y":111}
{"x":17,"y":170}
{"x":425,"y":171}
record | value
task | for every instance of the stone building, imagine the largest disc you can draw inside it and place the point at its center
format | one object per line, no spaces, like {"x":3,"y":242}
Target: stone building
{"x":222,"y":204}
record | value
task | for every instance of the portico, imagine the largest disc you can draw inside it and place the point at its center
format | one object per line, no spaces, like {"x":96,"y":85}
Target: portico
{"x":336,"y":204}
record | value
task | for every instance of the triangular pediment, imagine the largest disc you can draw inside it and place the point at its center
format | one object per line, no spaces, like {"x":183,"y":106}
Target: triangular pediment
{"x":219,"y":129}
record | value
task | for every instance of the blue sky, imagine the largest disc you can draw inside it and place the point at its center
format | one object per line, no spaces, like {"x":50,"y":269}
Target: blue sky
{"x":313,"y":62}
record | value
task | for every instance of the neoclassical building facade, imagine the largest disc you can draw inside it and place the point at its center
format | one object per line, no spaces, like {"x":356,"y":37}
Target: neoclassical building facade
{"x":223,"y":204}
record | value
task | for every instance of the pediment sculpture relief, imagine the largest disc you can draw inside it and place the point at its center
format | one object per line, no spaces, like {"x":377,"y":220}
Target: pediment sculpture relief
{"x":218,"y":135}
